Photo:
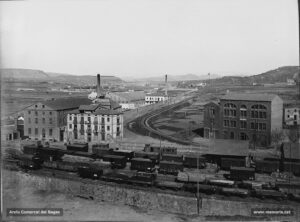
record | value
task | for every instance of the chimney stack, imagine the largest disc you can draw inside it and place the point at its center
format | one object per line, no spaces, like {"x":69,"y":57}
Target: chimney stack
{"x":98,"y":85}
{"x":166,"y":82}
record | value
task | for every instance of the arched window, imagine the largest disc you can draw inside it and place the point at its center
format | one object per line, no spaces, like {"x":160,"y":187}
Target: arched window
{"x":229,"y":110}
{"x":258,"y":111}
{"x":243,"y":111}
{"x":243,"y":136}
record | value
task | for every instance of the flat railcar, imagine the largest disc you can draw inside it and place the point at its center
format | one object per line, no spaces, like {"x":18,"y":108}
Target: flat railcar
{"x":169,"y":185}
{"x":83,"y":147}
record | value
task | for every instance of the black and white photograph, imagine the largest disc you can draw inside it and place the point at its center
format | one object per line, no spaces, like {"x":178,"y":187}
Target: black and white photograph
{"x":150,"y":110}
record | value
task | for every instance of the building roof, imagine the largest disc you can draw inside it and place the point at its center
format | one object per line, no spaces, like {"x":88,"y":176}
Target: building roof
{"x":66,"y":103}
{"x":249,"y":97}
{"x":129,"y":96}
{"x":228,"y":147}
{"x":91,"y":107}
{"x":291,"y":150}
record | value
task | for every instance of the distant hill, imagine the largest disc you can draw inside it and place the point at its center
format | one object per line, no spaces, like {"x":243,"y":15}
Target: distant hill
{"x":161,"y":78}
{"x":278,"y":75}
{"x":38,"y":75}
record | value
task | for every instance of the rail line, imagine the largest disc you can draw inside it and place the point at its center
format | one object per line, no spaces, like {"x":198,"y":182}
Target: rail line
{"x":144,"y":123}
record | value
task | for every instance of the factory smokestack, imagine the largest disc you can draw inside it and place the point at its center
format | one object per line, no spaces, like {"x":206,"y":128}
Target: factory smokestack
{"x":98,"y":86}
{"x":166,"y":82}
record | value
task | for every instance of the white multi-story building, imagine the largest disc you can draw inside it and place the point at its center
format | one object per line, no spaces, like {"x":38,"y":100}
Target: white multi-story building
{"x":95,"y":123}
{"x":155,"y":98}
{"x":292,"y":116}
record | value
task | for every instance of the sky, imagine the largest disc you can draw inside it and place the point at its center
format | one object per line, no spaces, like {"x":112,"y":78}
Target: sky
{"x":143,"y":38}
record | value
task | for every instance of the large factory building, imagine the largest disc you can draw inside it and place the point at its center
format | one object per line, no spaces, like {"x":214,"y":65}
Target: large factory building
{"x":100,"y":121}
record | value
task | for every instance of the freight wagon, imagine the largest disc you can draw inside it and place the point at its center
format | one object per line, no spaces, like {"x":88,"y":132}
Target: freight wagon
{"x":83,"y":147}
{"x":226,"y":163}
{"x":154,"y":157}
{"x":126,"y":153}
{"x":172,"y":157}
{"x":242,"y":173}
{"x":167,"y":167}
{"x":29,"y":162}
{"x":49,"y":154}
{"x":116,"y":161}
{"x":89,"y":172}
{"x":169,"y":185}
{"x":160,"y":150}
{"x":191,"y":162}
{"x":30,"y":149}
{"x":142,"y":179}
{"x":99,"y":152}
{"x":141,"y":164}
{"x":266,"y":166}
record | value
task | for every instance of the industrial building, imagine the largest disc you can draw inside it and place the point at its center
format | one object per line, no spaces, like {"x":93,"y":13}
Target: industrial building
{"x":100,"y":121}
{"x":244,"y":117}
{"x":292,"y":115}
{"x":47,"y":120}
{"x":128,"y":100}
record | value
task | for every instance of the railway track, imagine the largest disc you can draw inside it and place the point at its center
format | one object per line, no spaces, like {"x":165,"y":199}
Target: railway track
{"x":144,"y":124}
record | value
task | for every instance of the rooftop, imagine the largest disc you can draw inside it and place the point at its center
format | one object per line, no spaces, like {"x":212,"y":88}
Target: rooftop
{"x":66,"y":103}
{"x":228,"y":147}
{"x":249,"y":97}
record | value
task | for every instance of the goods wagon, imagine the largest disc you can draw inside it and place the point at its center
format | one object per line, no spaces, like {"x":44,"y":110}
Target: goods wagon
{"x":126,"y":153}
{"x":29,"y":162}
{"x":191,"y":162}
{"x":30,"y":149}
{"x":49,"y":154}
{"x":116,"y":161}
{"x":88,"y":172}
{"x":242,"y":173}
{"x":235,"y":192}
{"x":203,"y":188}
{"x":148,"y":155}
{"x":141,"y":164}
{"x":167,"y":167}
{"x":172,"y":157}
{"x":226,"y":163}
{"x":101,"y":145}
{"x":269,"y":194}
{"x":99,"y":152}
{"x":83,"y":147}
{"x":188,"y":177}
{"x":220,"y":182}
{"x":143,"y":179}
{"x":160,"y":150}
{"x":266,"y":166}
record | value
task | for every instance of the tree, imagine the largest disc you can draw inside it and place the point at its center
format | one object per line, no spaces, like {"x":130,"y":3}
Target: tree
{"x":277,"y":136}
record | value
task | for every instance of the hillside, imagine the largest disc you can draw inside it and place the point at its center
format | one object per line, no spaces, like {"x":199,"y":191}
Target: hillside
{"x":273,"y":76}
{"x":38,"y":75}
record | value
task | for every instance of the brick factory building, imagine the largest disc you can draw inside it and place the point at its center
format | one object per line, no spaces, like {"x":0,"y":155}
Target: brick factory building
{"x":244,"y":117}
{"x":47,"y":120}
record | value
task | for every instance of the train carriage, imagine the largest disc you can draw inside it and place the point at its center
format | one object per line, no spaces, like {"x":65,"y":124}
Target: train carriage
{"x":126,"y":153}
{"x":173,"y":157}
{"x":29,"y":162}
{"x":167,"y":167}
{"x":83,"y":147}
{"x":88,"y":172}
{"x":235,"y":192}
{"x":226,"y":163}
{"x":267,"y":166}
{"x":262,"y":194}
{"x":143,"y":179}
{"x":99,"y":152}
{"x":116,"y":161}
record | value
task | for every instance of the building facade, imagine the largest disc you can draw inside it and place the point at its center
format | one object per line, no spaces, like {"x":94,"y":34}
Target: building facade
{"x":102,"y":121}
{"x":292,"y":116}
{"x":155,"y":98}
{"x":47,"y":120}
{"x":244,"y":117}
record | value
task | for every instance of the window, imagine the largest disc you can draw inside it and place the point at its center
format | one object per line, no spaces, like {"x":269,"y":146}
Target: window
{"x":50,"y":132}
{"x":29,"y":112}
{"x":118,"y":121}
{"x":36,"y":120}
{"x":243,"y":111}
{"x":50,"y":121}
{"x":232,"y":123}
{"x":29,"y":120}
{"x":244,"y":136}
{"x":226,"y":123}
{"x":29,"y":131}
{"x":232,"y":135}
{"x":89,"y":119}
{"x":229,"y":110}
{"x":70,"y":126}
{"x":212,"y":111}
{"x":258,"y":111}
{"x":43,"y":106}
{"x":102,"y":120}
{"x":50,"y":113}
{"x":43,"y":113}
{"x":36,"y":106}
{"x":36,"y":131}
{"x":75,"y":135}
{"x":44,"y":120}
{"x":36,"y":113}
{"x":243,"y":124}
{"x":108,"y":119}
{"x":70,"y":117}
{"x":108,"y":128}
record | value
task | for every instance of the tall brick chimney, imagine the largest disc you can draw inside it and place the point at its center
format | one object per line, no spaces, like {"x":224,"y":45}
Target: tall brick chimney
{"x":98,"y":86}
{"x":166,"y":82}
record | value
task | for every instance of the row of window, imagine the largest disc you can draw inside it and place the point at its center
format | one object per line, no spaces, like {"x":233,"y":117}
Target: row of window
{"x":89,"y":127}
{"x":95,"y":119}
{"x":243,"y":124}
{"x":257,"y":111}
{"x":36,"y":132}
{"x":36,"y":112}
{"x":36,"y":120}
